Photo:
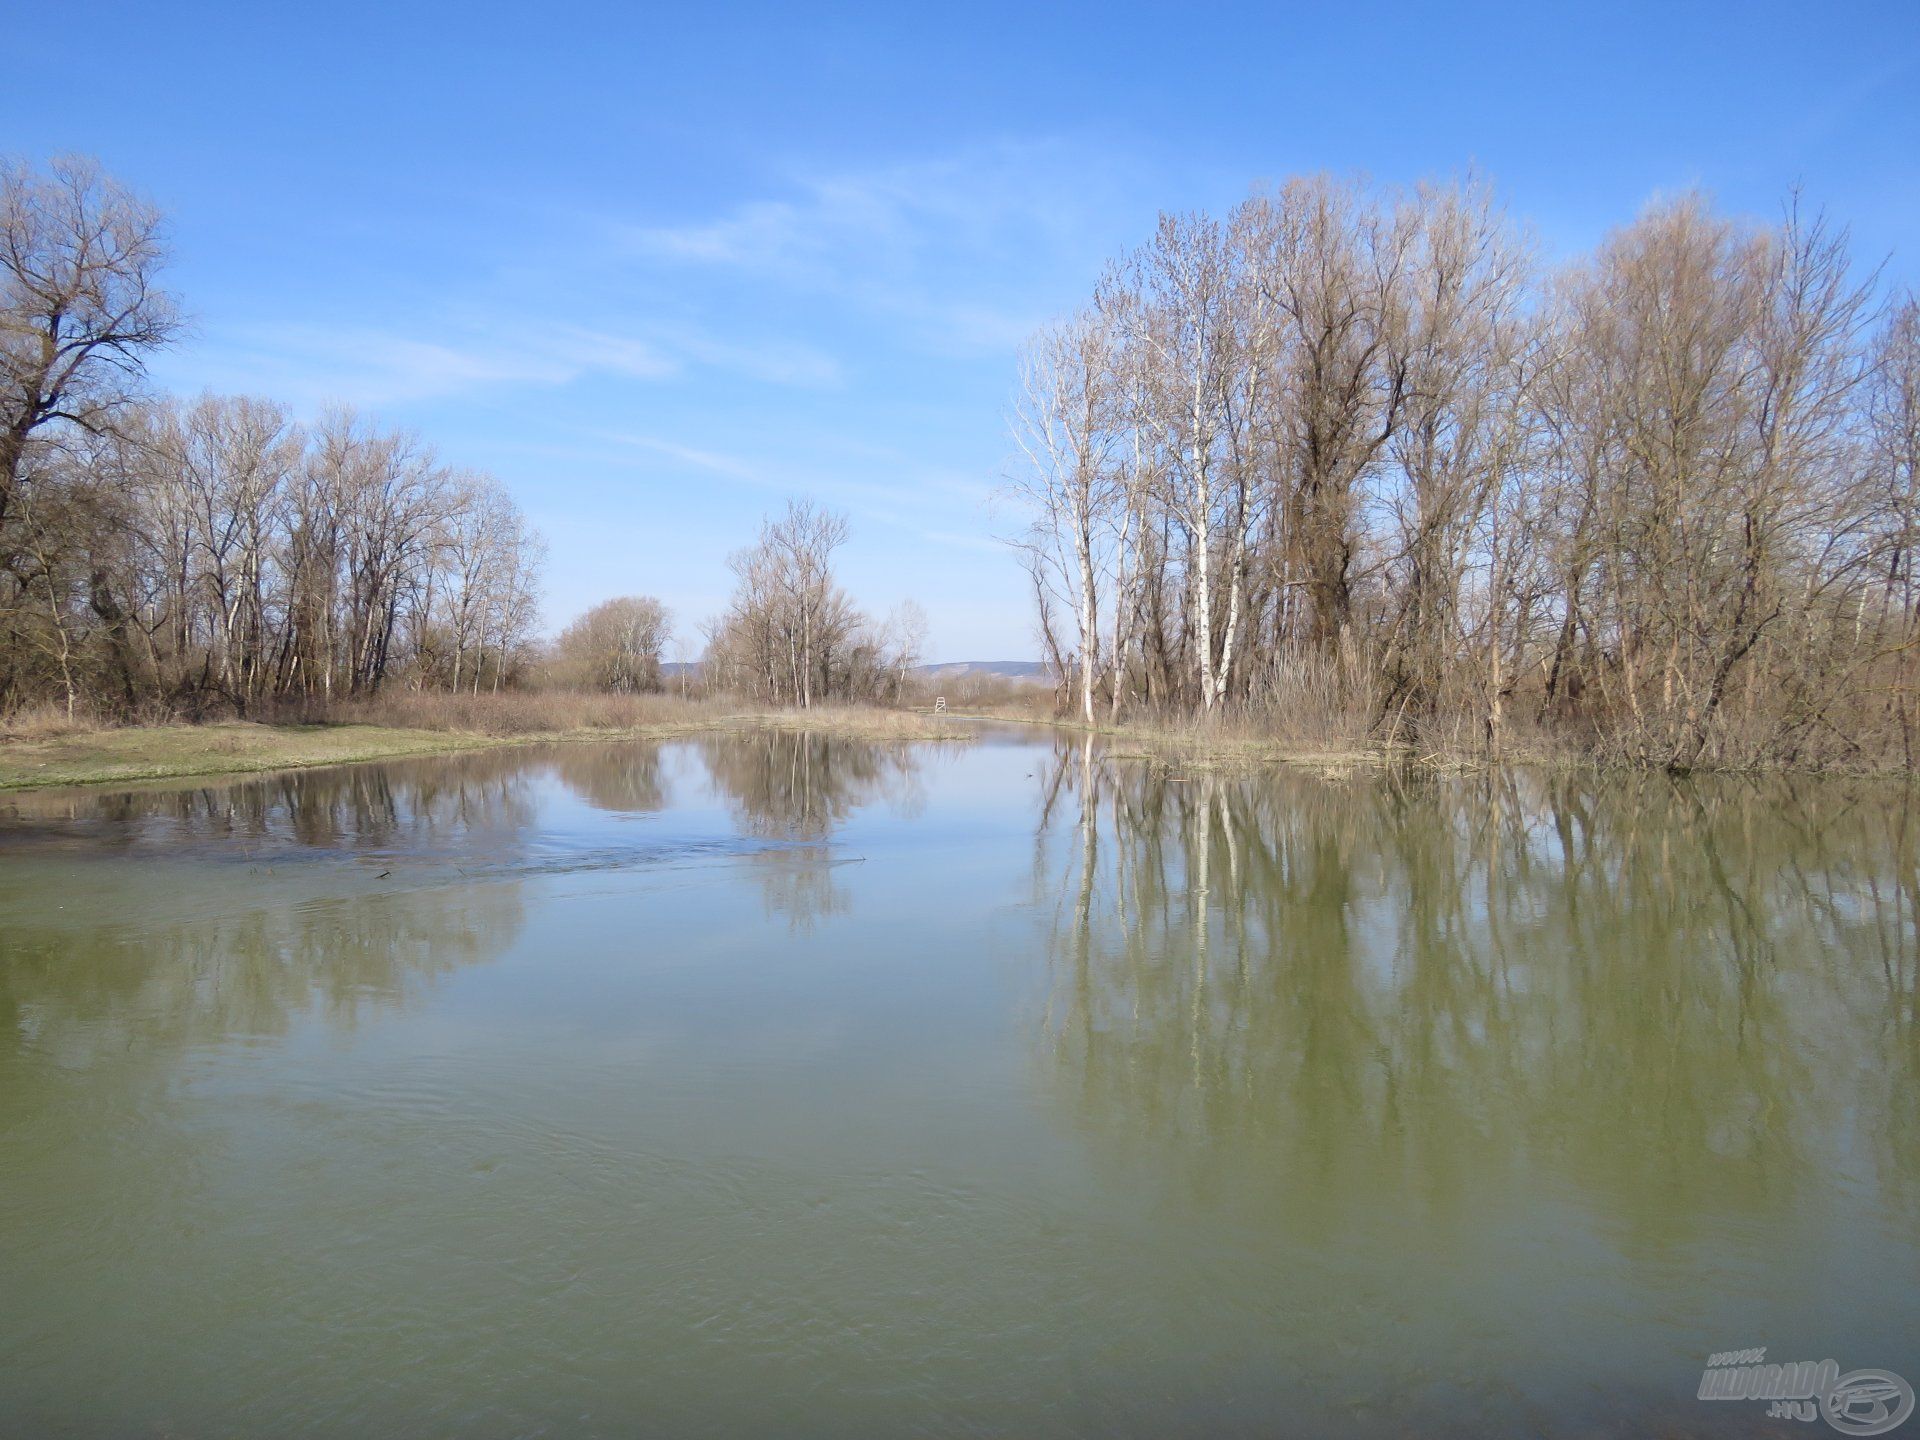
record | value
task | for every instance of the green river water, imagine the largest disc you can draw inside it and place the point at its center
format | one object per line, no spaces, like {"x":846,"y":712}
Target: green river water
{"x":787,"y":1085}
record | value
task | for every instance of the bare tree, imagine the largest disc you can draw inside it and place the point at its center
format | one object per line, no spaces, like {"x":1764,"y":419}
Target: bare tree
{"x":1346,"y":454}
{"x":790,"y":635}
{"x":617,"y":645}
{"x":80,"y":303}
{"x":1065,"y":428}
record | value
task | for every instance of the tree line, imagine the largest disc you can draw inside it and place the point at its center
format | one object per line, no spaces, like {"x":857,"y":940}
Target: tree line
{"x":178,"y":554}
{"x":791,"y":636}
{"x":1356,"y":451}
{"x":169,"y":556}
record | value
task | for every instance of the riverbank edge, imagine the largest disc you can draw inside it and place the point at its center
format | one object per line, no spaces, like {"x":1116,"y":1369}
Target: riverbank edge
{"x":135,"y":756}
{"x":1199,"y":750}
{"x":154,"y":754}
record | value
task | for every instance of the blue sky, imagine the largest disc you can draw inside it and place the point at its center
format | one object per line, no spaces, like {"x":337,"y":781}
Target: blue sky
{"x":661,"y":267}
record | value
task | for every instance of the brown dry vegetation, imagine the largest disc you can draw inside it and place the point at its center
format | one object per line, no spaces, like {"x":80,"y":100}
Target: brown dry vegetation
{"x":516,"y":714}
{"x":42,"y":747}
{"x":1351,"y":462}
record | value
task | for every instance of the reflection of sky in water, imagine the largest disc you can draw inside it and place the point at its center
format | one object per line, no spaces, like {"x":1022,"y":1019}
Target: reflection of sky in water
{"x":700,"y":1086}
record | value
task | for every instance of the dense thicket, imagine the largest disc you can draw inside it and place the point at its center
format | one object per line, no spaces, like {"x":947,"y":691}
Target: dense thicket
{"x":168,"y":556}
{"x":1355,"y":450}
{"x":790,"y":635}
{"x":616,"y":646}
{"x":177,"y":555}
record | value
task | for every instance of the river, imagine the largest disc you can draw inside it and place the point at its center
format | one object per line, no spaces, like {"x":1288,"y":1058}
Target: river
{"x":785,"y":1084}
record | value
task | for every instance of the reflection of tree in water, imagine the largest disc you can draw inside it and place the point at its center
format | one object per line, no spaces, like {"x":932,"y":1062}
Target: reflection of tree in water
{"x":622,"y":777}
{"x":248,"y":972}
{"x":431,"y":806}
{"x":800,"y":787}
{"x":257,"y":933}
{"x":1325,"y":992}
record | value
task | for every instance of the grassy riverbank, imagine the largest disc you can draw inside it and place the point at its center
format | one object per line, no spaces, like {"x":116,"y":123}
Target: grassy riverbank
{"x":45,"y":750}
{"x":1197,"y":747}
{"x":1331,"y":741}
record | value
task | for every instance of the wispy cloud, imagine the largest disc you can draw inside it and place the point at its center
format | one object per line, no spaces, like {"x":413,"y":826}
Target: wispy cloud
{"x":707,"y":460}
{"x":964,"y":248}
{"x":976,"y":199}
{"x":960,"y":255}
{"x":774,"y":362}
{"x":918,"y":501}
{"x":312,"y":364}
